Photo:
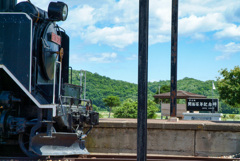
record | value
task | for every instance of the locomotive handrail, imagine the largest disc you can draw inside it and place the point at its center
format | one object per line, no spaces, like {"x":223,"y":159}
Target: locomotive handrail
{"x":71,"y":73}
{"x":54,"y":80}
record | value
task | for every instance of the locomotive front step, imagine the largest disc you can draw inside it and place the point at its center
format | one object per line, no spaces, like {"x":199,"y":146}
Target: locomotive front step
{"x":58,"y":144}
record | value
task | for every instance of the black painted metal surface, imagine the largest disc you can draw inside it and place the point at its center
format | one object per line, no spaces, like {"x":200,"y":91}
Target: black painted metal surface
{"x":15,"y":44}
{"x":65,"y":60}
{"x":142,"y":80}
{"x":7,"y":5}
{"x":174,"y":39}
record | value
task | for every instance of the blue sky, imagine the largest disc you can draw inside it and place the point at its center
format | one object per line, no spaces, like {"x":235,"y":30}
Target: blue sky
{"x":104,"y":37}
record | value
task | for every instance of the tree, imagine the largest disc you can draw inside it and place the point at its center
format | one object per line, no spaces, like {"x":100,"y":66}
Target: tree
{"x":111,"y":101}
{"x":163,"y":89}
{"x":224,"y":108}
{"x":151,"y":109}
{"x":229,"y":86}
{"x":129,"y":109}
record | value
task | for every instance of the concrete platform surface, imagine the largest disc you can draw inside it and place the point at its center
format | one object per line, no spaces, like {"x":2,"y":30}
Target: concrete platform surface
{"x":185,"y":137}
{"x":180,"y":125}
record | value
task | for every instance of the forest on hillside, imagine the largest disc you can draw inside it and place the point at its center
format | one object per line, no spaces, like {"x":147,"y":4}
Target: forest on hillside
{"x":99,"y":87}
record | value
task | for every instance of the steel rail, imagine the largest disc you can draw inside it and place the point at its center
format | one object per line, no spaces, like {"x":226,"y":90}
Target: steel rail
{"x":107,"y":157}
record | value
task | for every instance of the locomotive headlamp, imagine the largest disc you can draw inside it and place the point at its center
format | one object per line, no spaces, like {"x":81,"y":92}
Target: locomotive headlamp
{"x":58,"y":11}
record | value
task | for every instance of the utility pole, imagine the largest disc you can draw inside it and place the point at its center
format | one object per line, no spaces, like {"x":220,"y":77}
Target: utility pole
{"x":142,"y":80}
{"x":174,"y":40}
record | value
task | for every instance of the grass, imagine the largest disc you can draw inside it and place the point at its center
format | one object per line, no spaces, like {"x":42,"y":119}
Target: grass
{"x":104,"y":114}
{"x":230,"y":117}
{"x":225,"y":117}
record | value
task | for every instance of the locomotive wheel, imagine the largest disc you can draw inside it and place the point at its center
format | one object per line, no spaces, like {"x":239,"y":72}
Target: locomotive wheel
{"x":23,"y":141}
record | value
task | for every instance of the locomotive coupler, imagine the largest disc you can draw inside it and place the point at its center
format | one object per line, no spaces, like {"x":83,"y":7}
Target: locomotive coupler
{"x":85,"y":135}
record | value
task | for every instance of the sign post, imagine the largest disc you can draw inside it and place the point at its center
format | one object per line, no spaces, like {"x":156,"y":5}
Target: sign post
{"x":202,"y":105}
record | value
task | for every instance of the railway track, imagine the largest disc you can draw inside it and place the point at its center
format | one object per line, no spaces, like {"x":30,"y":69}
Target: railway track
{"x":107,"y":157}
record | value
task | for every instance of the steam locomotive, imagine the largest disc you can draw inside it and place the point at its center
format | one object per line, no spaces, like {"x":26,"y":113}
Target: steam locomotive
{"x":39,"y":109}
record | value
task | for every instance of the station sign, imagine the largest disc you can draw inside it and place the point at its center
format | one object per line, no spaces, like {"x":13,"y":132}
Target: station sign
{"x":202,"y":104}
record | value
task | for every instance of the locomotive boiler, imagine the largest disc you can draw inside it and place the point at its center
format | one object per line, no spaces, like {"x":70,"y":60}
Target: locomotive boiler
{"x":39,"y":109}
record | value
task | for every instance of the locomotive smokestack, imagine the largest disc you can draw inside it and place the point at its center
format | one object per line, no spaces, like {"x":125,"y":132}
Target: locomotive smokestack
{"x":7,"y":5}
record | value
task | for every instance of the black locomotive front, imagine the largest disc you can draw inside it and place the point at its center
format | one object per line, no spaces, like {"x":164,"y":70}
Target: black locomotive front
{"x":39,"y":109}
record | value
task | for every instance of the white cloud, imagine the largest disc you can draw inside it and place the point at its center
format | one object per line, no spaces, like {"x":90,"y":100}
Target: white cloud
{"x":232,"y":31}
{"x":104,"y":58}
{"x":110,"y":23}
{"x":115,"y":23}
{"x":232,"y":12}
{"x":228,"y":50}
{"x":159,"y":21}
{"x":201,"y":8}
{"x":113,"y":36}
{"x":97,"y":58}
{"x":78,"y":18}
{"x":125,"y":11}
{"x":199,"y":36}
{"x":43,"y":4}
{"x":153,"y":39}
{"x":76,"y":59}
{"x":132,"y":57}
{"x":224,"y":56}
{"x":207,"y":23}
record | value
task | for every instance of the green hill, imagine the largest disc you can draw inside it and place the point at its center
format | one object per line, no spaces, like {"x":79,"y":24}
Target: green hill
{"x":99,"y":87}
{"x":190,"y":85}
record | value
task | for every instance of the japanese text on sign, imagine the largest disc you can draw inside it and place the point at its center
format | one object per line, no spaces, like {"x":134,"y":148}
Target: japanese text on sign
{"x":202,"y":104}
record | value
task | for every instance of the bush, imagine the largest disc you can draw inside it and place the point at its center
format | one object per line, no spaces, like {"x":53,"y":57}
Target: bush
{"x":151,"y":110}
{"x":97,"y":109}
{"x":231,"y":116}
{"x":224,"y":117}
{"x":129,"y":109}
{"x":237,"y":117}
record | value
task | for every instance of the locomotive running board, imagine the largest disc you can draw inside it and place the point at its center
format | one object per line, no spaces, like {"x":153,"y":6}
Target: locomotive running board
{"x":58,"y":144}
{"x":8,"y":72}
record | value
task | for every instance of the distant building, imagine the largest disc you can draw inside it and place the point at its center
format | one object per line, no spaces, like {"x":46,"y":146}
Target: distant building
{"x":181,"y":108}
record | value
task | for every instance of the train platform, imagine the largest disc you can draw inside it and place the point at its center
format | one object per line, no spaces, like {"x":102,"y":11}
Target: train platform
{"x":183,"y":138}
{"x":180,"y":125}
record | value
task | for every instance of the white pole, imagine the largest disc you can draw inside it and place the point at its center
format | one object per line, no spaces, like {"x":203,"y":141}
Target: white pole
{"x":213,"y":110}
{"x":85,"y":85}
{"x":80,"y":75}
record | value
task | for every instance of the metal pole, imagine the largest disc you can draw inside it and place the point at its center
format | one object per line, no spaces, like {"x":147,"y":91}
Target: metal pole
{"x":142,"y":80}
{"x":54,"y":81}
{"x":173,"y":98}
{"x":213,"y":110}
{"x":85,"y":85}
{"x":80,"y":75}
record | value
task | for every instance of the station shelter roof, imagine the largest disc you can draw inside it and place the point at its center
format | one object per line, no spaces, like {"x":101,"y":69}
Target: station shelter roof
{"x":180,"y":95}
